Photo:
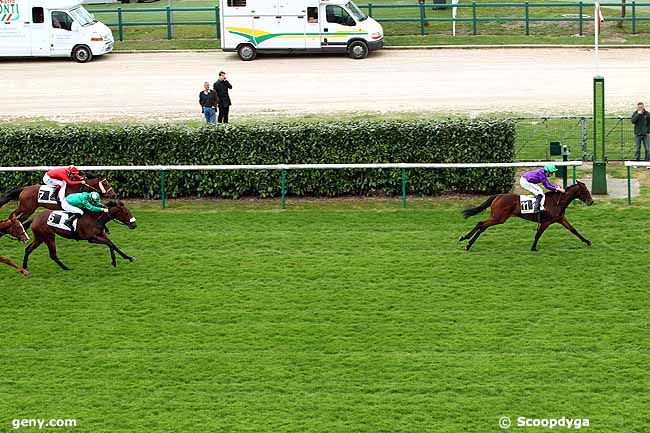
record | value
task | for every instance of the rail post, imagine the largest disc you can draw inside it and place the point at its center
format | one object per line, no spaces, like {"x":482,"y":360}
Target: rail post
{"x":162,"y":188}
{"x":403,"y":188}
{"x":370,"y":10}
{"x":216,"y":21}
{"x":283,"y":183}
{"x":474,"y":29}
{"x":633,"y":17}
{"x":526,"y":16}
{"x":120,"y":27}
{"x":169,"y":22}
{"x":422,"y":16}
{"x":629,"y":185}
{"x":580,"y":27}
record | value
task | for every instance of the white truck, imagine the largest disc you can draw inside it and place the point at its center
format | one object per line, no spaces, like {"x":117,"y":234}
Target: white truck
{"x":284,"y":26}
{"x":51,"y":28}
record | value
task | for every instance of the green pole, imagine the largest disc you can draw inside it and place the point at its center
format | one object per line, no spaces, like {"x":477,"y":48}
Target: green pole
{"x":580,"y":15}
{"x":634,"y":17}
{"x":370,"y":10}
{"x":422,"y":18}
{"x":629,"y":185}
{"x":162,"y":187}
{"x":216,"y":21}
{"x":120,"y":27}
{"x":474,"y":30}
{"x":526,"y":18}
{"x":283,"y":186}
{"x":403,"y":188}
{"x":574,"y":174}
{"x":169,"y":22}
{"x":599,"y":176}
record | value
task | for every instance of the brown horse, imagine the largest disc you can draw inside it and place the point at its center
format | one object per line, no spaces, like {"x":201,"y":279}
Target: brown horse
{"x":90,"y":227}
{"x":15,"y":229}
{"x":28,"y":196}
{"x":503,"y":206}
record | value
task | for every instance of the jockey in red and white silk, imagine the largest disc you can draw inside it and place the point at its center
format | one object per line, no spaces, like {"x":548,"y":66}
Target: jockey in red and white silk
{"x":62,"y":177}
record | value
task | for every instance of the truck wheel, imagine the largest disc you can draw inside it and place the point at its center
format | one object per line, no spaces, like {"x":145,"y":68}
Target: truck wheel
{"x":247,"y":52}
{"x":358,"y":50}
{"x":82,"y":54}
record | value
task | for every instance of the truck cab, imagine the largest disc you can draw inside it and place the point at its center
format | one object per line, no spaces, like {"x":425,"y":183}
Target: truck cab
{"x":53,"y":28}
{"x":252,"y":26}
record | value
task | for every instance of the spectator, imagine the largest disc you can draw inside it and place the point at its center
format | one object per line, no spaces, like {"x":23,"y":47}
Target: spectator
{"x":221,"y":87}
{"x":208,"y":101}
{"x":641,"y":120}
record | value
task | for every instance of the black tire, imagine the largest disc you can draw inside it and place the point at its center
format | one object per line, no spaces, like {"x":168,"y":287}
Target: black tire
{"x":247,"y":52}
{"x":82,"y":54}
{"x":358,"y":50}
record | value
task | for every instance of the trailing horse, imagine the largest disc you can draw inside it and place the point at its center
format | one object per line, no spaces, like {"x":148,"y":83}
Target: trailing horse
{"x":90,"y":227}
{"x":16,"y":230}
{"x":503,"y":206}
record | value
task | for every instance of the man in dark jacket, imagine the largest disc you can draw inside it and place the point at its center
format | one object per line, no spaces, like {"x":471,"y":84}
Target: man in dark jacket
{"x":641,"y":120}
{"x":208,"y":102}
{"x":221,"y":87}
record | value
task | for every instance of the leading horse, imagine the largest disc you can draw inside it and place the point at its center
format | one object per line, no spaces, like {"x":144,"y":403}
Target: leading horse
{"x":503,"y":206}
{"x":28,"y":196}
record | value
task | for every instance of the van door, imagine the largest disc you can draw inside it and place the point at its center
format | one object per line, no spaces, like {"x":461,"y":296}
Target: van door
{"x":337,"y":26}
{"x":312,"y":29}
{"x":278,"y":32}
{"x":40,"y":33}
{"x":14,"y":31}
{"x":63,"y":37}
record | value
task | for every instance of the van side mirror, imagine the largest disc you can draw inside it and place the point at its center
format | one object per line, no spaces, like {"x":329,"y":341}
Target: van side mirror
{"x":75,"y":26}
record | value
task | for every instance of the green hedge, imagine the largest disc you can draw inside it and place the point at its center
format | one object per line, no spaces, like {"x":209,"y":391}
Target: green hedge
{"x":272,"y":143}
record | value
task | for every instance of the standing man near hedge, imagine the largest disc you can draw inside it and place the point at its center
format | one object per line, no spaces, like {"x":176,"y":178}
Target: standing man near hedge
{"x":221,"y":87}
{"x":208,"y":101}
{"x":641,"y":120}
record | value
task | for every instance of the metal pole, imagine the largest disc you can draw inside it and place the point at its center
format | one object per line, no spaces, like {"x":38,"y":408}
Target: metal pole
{"x":599,"y":176}
{"x":169,"y":23}
{"x":283,"y":183}
{"x":162,"y":187}
{"x":171,"y":17}
{"x":526,"y":17}
{"x":120,"y":28}
{"x":422,"y":18}
{"x":370,"y":10}
{"x":574,"y":174}
{"x":474,"y":30}
{"x":629,"y":185}
{"x":633,"y":17}
{"x":580,"y":15}
{"x":216,"y":21}
{"x":403,"y":188}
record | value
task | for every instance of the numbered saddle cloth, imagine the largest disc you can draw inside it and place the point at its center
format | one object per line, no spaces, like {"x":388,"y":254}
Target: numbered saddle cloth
{"x":58,"y":218}
{"x":48,"y":195}
{"x":527,"y":204}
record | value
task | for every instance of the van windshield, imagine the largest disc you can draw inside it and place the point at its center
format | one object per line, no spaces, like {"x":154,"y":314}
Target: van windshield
{"x":82,"y":16}
{"x":355,"y":11}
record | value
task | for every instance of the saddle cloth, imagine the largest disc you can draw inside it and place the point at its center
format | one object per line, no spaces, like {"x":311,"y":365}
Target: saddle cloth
{"x":48,"y":195}
{"x":527,"y":204}
{"x":58,"y":218}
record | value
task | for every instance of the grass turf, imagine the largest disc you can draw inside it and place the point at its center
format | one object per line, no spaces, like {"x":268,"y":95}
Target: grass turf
{"x":331,"y":316}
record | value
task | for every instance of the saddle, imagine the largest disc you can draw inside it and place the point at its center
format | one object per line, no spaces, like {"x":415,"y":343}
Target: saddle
{"x":48,"y":195}
{"x":63,"y":221}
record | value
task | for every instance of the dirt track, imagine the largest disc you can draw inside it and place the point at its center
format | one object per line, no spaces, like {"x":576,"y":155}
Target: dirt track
{"x":166,"y":85}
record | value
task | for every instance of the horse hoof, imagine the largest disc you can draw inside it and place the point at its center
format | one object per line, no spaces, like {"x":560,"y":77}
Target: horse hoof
{"x":131,"y":259}
{"x":26,"y":274}
{"x":534,"y":250}
{"x":461,"y":239}
{"x":588,"y":243}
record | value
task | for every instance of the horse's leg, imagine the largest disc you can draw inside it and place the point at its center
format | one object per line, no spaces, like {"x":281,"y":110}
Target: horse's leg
{"x":30,"y":248}
{"x":13,"y":265}
{"x":102,"y":241}
{"x":106,"y":241}
{"x":540,"y":230}
{"x":569,"y":227}
{"x":51,"y":246}
{"x":495,"y":219}
{"x":471,"y":232}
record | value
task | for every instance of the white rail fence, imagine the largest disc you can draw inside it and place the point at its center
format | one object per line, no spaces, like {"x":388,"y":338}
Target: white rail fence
{"x":403,"y":166}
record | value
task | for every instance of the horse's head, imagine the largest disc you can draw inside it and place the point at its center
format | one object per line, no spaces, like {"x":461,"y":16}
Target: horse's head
{"x":16,"y":230}
{"x":583,"y":193}
{"x":119,"y":212}
{"x":100,"y":183}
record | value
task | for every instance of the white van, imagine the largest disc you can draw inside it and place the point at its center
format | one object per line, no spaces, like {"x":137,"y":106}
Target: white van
{"x":252,"y":26}
{"x":51,"y":28}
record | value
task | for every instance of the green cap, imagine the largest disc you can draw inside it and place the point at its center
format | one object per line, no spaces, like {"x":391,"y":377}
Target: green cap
{"x":94,"y":196}
{"x":551,"y":168}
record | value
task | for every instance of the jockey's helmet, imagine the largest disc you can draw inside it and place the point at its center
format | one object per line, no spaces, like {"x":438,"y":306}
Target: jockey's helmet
{"x":550,"y":168}
{"x":94,"y":197}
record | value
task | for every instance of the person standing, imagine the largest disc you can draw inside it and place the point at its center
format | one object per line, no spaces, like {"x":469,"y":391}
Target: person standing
{"x":208,"y":101}
{"x":641,"y":120}
{"x":221,"y":87}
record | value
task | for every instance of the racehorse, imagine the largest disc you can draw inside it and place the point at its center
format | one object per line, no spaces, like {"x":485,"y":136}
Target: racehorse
{"x":503,"y":206}
{"x":28,"y":196}
{"x":90,"y":227}
{"x":16,"y":230}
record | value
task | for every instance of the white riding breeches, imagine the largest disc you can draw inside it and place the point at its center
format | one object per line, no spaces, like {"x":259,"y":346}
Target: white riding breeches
{"x":47,"y":180}
{"x":69,"y":208}
{"x":535,"y":189}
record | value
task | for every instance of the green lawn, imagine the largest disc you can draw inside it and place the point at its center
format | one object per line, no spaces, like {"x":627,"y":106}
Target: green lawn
{"x":331,"y":316}
{"x":397,"y":33}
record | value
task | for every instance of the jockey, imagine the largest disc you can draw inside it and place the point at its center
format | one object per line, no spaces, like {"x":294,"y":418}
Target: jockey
{"x":62,"y":177}
{"x":530,"y":179}
{"x":77,"y":203}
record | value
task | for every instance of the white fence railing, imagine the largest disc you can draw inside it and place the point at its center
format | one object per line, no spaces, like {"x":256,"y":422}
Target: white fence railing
{"x":284,"y":167}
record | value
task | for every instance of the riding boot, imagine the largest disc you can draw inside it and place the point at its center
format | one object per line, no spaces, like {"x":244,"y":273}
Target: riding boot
{"x":537,"y":207}
{"x":70,"y":221}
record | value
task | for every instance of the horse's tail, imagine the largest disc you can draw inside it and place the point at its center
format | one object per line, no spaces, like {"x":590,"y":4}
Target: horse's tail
{"x":11,"y":195}
{"x":478,"y":209}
